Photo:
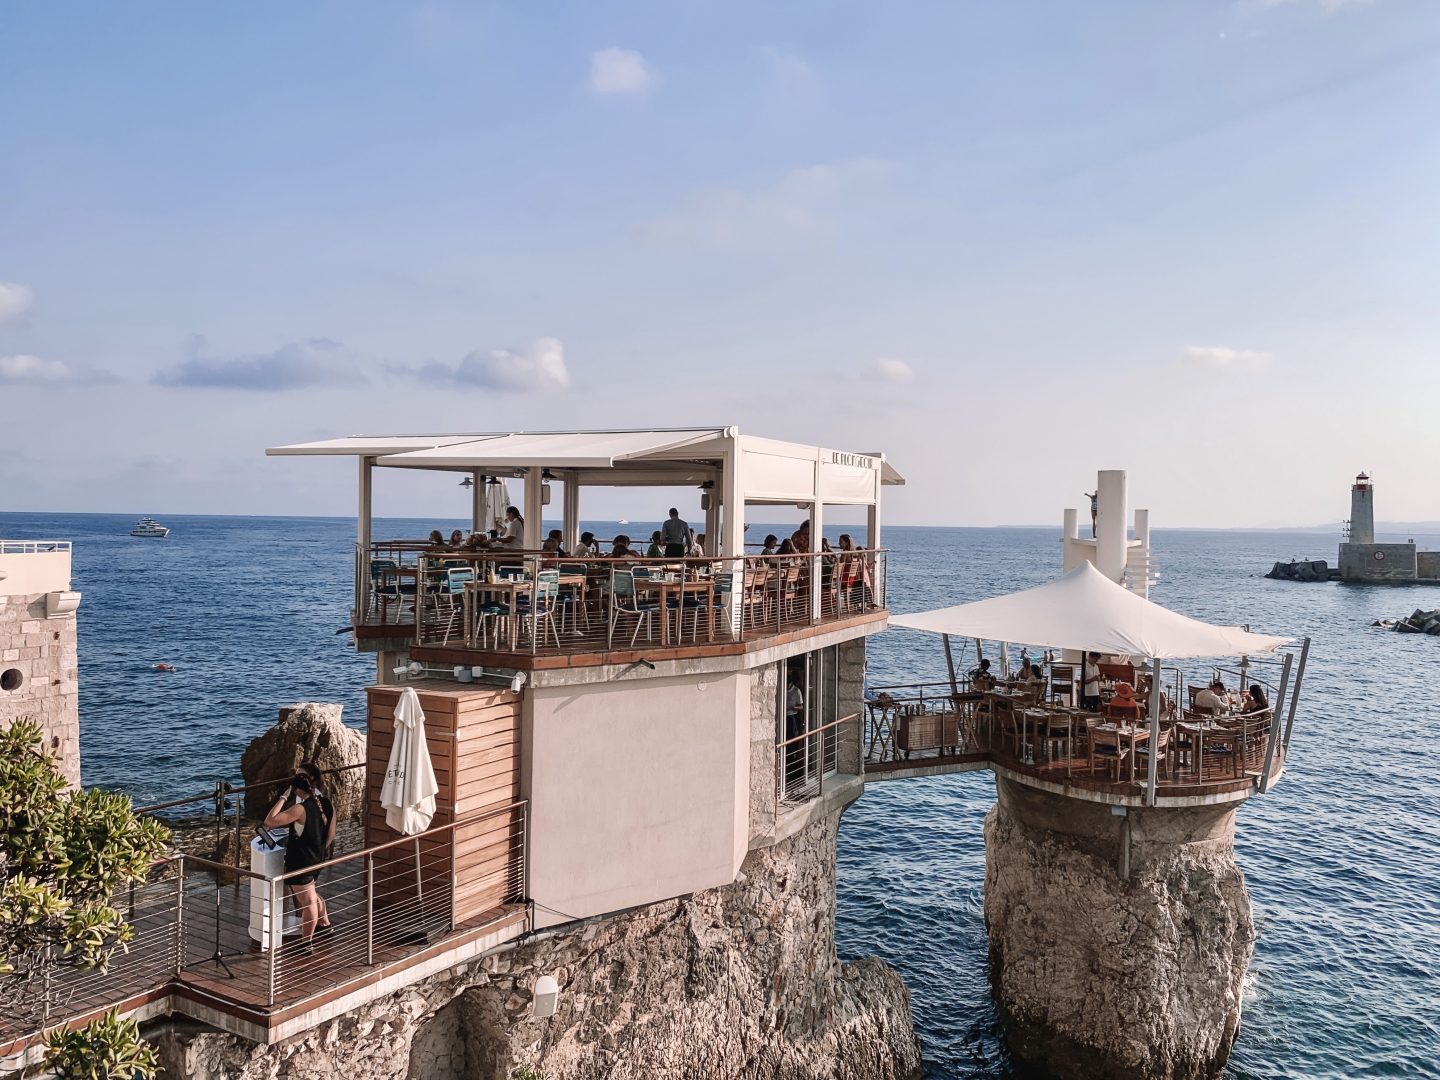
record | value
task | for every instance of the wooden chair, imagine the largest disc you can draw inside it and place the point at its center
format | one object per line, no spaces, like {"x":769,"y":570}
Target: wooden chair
{"x":1062,"y":683}
{"x":1162,"y":747}
{"x":1111,"y":747}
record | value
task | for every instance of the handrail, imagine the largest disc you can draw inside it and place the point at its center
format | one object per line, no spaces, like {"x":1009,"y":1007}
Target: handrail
{"x":233,"y":789}
{"x":810,"y":734}
{"x":33,"y":547}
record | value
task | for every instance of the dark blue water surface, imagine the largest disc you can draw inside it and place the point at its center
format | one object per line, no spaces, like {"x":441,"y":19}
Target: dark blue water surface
{"x":1342,"y":858}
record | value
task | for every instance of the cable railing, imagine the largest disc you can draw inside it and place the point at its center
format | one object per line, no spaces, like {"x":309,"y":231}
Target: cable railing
{"x":805,"y":761}
{"x":503,"y":603}
{"x":234,"y":936}
{"x":33,"y":547}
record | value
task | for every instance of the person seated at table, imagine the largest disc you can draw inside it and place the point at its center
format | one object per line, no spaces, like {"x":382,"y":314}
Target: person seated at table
{"x":1028,"y":672}
{"x":656,"y":549}
{"x":981,"y":677}
{"x":436,"y":539}
{"x":697,"y":547}
{"x":554,"y":544}
{"x":787,"y":547}
{"x":587,"y":548}
{"x":457,"y":538}
{"x":477,"y":541}
{"x":1124,"y":702}
{"x":801,"y":538}
{"x":1256,"y":700}
{"x":620,"y":548}
{"x":514,"y":534}
{"x":1212,"y":699}
{"x":772,"y":542}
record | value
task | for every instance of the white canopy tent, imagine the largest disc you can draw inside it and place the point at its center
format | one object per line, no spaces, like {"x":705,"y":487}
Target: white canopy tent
{"x":1087,"y":612}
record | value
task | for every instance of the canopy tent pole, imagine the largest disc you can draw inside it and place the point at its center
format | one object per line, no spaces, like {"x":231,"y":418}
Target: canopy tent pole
{"x":570,"y":526}
{"x":1294,"y":694}
{"x":534,"y":527}
{"x":1275,"y":724}
{"x":1154,"y":731}
{"x":950,"y":663}
{"x":477,"y":502}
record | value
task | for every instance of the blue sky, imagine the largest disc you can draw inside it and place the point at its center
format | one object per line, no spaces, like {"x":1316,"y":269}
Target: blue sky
{"x":1009,"y":244}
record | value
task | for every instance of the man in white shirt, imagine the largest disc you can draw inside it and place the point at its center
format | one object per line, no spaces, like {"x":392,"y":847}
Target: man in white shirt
{"x":1212,"y":699}
{"x":1090,"y":682}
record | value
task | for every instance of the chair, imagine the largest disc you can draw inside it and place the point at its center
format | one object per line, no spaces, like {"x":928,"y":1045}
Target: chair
{"x":1162,"y":747}
{"x":1062,"y":683}
{"x":449,"y":600}
{"x":1112,"y":747}
{"x":1129,"y":712}
{"x":572,"y":596}
{"x":386,"y":585}
{"x":722,"y":587}
{"x":624,"y":600}
{"x":540,"y":606}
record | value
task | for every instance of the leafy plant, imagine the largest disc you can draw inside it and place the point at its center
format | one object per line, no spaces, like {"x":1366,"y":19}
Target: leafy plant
{"x":527,"y":1072}
{"x":106,"y":1049}
{"x":64,"y":855}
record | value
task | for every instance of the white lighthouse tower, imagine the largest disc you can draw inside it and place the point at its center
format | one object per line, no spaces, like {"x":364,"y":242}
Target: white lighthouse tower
{"x":1362,"y":511}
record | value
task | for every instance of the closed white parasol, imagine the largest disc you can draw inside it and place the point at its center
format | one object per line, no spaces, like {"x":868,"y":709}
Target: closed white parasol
{"x":408,"y":794}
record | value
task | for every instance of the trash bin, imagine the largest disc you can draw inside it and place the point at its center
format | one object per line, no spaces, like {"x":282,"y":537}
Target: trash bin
{"x":269,"y":862}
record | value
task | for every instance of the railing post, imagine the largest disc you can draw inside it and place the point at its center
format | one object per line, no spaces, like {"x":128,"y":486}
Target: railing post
{"x":179,"y":914}
{"x":1275,"y":725}
{"x":370,"y":909}
{"x":276,"y":930}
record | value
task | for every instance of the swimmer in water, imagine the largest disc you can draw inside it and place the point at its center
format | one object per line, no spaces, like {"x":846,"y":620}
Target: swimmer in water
{"x":164,"y":667}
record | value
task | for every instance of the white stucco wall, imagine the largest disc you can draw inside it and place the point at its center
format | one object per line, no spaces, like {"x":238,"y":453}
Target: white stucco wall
{"x":639,"y":791}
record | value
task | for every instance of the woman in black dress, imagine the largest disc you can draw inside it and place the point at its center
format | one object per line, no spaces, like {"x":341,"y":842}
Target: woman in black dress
{"x":305,"y":848}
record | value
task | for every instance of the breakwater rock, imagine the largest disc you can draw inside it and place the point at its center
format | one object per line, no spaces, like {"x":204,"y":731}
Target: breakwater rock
{"x":1418,"y":621}
{"x":741,"y":981}
{"x":1301,"y":570}
{"x":1098,"y":977}
{"x":309,"y":731}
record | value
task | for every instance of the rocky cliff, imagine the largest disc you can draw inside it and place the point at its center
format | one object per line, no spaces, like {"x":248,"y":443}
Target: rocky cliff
{"x":741,"y":981}
{"x":1102,"y":978}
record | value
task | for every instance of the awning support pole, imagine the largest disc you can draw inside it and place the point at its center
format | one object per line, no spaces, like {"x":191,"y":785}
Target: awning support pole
{"x":950,"y":663}
{"x":1275,"y":723}
{"x":1295,"y":693}
{"x":1154,"y":754}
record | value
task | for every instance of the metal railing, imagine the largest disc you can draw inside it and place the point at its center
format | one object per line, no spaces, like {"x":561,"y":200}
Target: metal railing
{"x":32,"y":547}
{"x":232,"y":935}
{"x":804,"y":762}
{"x":498,"y":603}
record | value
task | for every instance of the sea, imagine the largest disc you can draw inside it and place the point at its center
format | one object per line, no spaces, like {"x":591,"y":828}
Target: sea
{"x":1342,"y":857}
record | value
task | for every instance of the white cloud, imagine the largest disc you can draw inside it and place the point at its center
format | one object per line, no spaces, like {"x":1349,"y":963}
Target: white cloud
{"x":789,"y":69}
{"x":25,"y":369}
{"x":315,"y":362}
{"x":801,"y":209}
{"x":619,"y":71}
{"x":1323,"y":5}
{"x":15,"y":300}
{"x":1224,"y":357}
{"x":538,"y":366}
{"x":891,"y":369}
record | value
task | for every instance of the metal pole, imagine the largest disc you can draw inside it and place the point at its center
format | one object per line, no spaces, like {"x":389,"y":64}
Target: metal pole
{"x":179,"y":913}
{"x":370,"y":909}
{"x":1295,"y":693}
{"x":950,"y":663}
{"x":1275,"y":725}
{"x":276,"y":935}
{"x":1154,"y":733}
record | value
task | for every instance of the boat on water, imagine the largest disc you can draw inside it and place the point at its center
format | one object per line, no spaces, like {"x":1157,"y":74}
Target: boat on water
{"x":150,"y":527}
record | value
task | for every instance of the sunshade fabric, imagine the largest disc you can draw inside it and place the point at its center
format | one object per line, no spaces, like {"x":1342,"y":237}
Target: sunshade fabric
{"x":408,"y":794}
{"x":369,"y":445}
{"x":562,"y":450}
{"x":1085,"y":610}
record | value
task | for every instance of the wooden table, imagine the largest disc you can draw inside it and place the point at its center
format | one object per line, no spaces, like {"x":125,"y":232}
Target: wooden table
{"x":677,"y":588}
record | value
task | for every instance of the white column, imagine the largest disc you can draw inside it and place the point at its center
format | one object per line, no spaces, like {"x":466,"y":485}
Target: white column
{"x":712,"y":522}
{"x":872,"y":512}
{"x":571,"y":514}
{"x":1070,"y":552}
{"x":1141,"y":549}
{"x":817,"y":530}
{"x":533,"y":526}
{"x":731,"y":541}
{"x":1111,"y":525}
{"x":363,"y":527}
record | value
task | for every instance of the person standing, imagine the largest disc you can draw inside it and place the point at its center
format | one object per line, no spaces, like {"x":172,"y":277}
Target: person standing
{"x":317,"y":782}
{"x":301,"y":851}
{"x":676,"y":535}
{"x":1090,"y":682}
{"x":514,"y":534}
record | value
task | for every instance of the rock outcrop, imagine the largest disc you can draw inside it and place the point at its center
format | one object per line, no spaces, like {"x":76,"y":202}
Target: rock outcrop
{"x":741,"y":981}
{"x":1418,"y":621}
{"x":1301,"y":570}
{"x":1102,"y":978}
{"x":309,"y":731}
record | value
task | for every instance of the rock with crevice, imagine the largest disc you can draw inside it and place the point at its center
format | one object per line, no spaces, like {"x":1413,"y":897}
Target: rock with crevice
{"x":308,"y":731}
{"x":1098,"y":977}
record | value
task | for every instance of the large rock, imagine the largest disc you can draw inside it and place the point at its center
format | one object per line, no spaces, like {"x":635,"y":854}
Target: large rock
{"x":1102,"y":978}
{"x":735,"y":982}
{"x":1300,"y":570}
{"x":309,"y":731}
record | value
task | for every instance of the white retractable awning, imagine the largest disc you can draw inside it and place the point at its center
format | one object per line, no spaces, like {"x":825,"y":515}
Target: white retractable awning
{"x":564,"y":450}
{"x":370,"y":445}
{"x":1086,"y":611}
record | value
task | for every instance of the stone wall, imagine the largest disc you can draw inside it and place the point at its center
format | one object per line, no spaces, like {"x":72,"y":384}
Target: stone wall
{"x":1358,"y":562}
{"x":741,"y":981}
{"x":764,"y":733}
{"x":38,"y":656}
{"x":1099,"y":977}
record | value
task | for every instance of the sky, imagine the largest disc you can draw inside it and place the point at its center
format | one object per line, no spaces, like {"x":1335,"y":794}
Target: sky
{"x":1005,"y":244}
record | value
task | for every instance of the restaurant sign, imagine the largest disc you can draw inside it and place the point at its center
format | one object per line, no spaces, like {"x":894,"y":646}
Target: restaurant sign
{"x":857,"y":461}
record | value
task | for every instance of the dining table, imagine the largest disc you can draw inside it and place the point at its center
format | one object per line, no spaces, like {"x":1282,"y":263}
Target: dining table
{"x":671,"y":590}
{"x":508,"y":591}
{"x":1136,"y":733}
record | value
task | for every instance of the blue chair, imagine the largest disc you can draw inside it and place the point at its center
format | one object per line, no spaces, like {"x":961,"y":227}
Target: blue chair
{"x":540,"y":605}
{"x":387,"y":585}
{"x":625,"y":601}
{"x":450,"y":597}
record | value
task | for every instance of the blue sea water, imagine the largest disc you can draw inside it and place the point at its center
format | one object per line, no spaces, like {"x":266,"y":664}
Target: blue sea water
{"x":1342,"y":858}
